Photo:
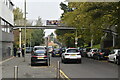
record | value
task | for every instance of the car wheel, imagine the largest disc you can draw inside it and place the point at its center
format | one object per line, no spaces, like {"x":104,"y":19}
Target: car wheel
{"x":46,"y":63}
{"x":118,"y":62}
{"x":115,"y":61}
{"x":63,"y":61}
{"x":80,"y":61}
{"x":32,"y":64}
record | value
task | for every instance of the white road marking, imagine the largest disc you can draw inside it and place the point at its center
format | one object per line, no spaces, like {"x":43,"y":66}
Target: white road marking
{"x":6,"y":60}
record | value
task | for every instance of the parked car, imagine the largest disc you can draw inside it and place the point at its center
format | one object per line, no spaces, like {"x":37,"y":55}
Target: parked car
{"x":114,"y":56}
{"x":29,"y":49}
{"x":56,"y":52}
{"x":71,"y":54}
{"x":84,"y":51}
{"x":101,"y":54}
{"x":39,"y":56}
{"x":63,"y":49}
{"x":91,"y":52}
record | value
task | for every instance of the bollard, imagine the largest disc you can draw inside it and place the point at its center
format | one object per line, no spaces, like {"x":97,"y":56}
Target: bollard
{"x":49,"y":59}
{"x":58,"y":70}
{"x":16,"y":73}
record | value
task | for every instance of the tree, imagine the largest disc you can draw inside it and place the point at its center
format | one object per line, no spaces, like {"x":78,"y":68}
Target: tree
{"x":93,"y":17}
{"x":37,"y":37}
{"x":18,"y":15}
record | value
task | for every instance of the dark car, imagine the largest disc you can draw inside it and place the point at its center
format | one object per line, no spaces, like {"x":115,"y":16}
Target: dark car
{"x":29,"y":49}
{"x":39,"y":56}
{"x":84,"y":51}
{"x":118,"y":58}
{"x":101,"y":54}
{"x":63,"y":50}
{"x":56,"y":52}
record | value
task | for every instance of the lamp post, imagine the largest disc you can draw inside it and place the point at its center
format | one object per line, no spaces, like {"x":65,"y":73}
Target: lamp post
{"x":25,"y":27}
{"x":76,"y":39}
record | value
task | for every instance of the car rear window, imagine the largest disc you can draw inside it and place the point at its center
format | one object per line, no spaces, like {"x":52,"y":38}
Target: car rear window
{"x":39,"y":48}
{"x":39,"y":53}
{"x":72,"y":51}
{"x":94,"y":50}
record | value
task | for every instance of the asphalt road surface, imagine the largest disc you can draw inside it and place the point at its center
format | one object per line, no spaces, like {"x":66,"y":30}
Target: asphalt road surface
{"x":89,"y":69}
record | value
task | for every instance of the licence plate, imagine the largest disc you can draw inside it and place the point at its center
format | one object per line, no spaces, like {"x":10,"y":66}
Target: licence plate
{"x":106,"y":56}
{"x":57,"y":54}
{"x":40,"y":58}
{"x":73,"y":54}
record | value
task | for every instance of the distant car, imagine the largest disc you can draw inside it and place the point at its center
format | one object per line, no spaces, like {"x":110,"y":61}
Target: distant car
{"x":39,"y":48}
{"x":71,"y":54}
{"x":91,"y":52}
{"x":39,"y":56}
{"x":29,"y":49}
{"x":63,"y":49}
{"x":101,"y":54}
{"x":84,"y":51}
{"x":114,"y":56}
{"x":56,"y":52}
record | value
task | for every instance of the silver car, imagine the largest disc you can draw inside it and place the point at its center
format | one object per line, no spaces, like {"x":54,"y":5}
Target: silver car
{"x":114,"y":56}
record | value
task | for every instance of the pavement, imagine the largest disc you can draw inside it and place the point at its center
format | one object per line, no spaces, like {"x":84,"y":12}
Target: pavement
{"x":25,"y":70}
{"x":89,"y":69}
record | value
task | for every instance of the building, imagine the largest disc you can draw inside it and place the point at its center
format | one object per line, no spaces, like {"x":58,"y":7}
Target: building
{"x":6,"y":32}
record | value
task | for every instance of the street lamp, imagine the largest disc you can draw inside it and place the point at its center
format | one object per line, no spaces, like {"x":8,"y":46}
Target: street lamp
{"x":76,"y":39}
{"x":25,"y":27}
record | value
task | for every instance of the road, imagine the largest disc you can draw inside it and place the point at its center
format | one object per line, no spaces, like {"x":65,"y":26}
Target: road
{"x":88,"y":69}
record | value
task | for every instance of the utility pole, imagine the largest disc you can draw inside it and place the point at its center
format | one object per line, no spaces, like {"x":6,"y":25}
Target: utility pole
{"x":113,"y":40}
{"x":25,"y":28}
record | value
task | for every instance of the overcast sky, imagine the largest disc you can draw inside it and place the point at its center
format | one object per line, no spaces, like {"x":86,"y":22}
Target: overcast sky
{"x":46,"y":9}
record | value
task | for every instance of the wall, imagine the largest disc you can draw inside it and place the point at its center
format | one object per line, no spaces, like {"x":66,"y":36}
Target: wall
{"x":6,"y":13}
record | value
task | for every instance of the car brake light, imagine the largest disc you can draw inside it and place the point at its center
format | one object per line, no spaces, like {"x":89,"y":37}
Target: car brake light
{"x":101,"y":53}
{"x":34,"y":56}
{"x":45,"y":56}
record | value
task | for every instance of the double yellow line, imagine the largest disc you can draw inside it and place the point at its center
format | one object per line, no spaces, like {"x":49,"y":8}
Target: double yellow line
{"x":62,"y":73}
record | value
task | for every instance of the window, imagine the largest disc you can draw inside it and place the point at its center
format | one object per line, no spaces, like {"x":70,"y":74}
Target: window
{"x":6,"y":27}
{"x":2,"y":24}
{"x":72,"y":51}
